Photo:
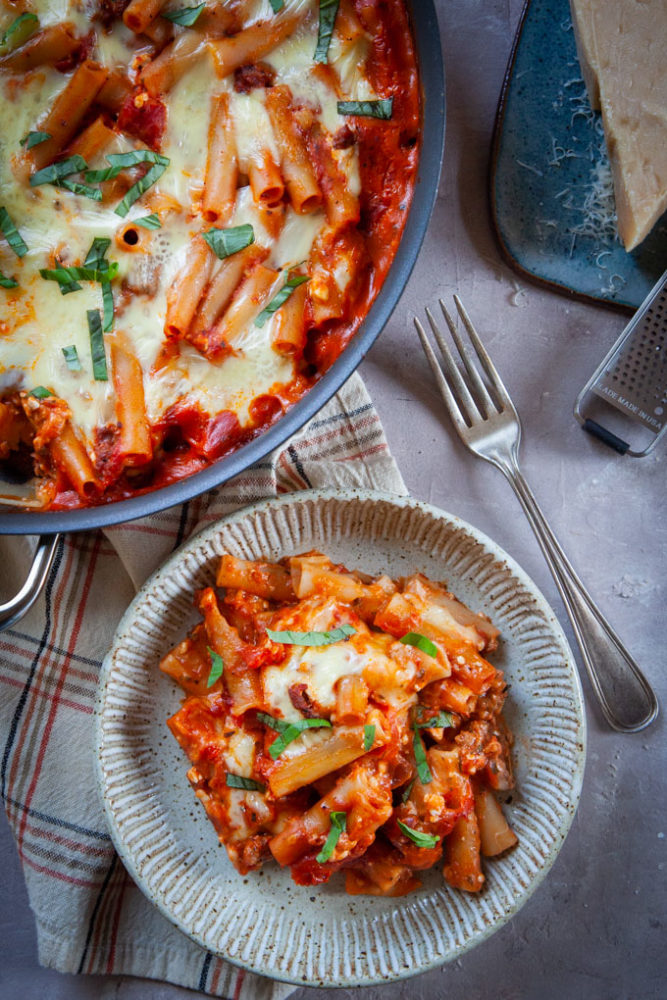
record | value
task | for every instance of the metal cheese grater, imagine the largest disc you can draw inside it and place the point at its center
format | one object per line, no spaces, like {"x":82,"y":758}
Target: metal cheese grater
{"x":632,"y":380}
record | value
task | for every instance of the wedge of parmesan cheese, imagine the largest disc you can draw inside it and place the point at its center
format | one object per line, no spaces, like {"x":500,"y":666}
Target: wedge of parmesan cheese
{"x":621,"y":45}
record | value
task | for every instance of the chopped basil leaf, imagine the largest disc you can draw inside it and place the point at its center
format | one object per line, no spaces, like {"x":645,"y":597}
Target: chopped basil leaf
{"x":6,"y":282}
{"x":406,"y":794}
{"x":418,"y":837}
{"x":72,"y":358}
{"x":277,"y":5}
{"x":293,"y":731}
{"x":96,"y":258}
{"x":311,"y":638}
{"x":280,"y":298}
{"x":84,"y":190}
{"x":368,"y":109}
{"x":440,"y":721}
{"x":369,"y":737}
{"x":328,"y":11}
{"x":68,"y":277}
{"x":12,"y":234}
{"x":18,"y":32}
{"x":123,"y":161}
{"x":338,"y":825}
{"x":141,"y":187}
{"x":225,"y":242}
{"x":280,"y":725}
{"x":97,"y":345}
{"x":217,"y":667}
{"x":186,"y":16}
{"x":64,"y":277}
{"x":40,"y":392}
{"x":420,"y":642}
{"x":423,"y":770}
{"x":160,"y":164}
{"x":56,"y":172}
{"x":107,"y":305}
{"x":148,"y":221}
{"x":34,"y":139}
{"x":97,"y":252}
{"x":289,"y":731}
{"x":248,"y":784}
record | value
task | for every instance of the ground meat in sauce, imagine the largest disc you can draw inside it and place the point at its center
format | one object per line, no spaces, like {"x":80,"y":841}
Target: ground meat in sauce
{"x":109,"y":10}
{"x":344,"y":138}
{"x":247,"y":78}
{"x":302,"y":700}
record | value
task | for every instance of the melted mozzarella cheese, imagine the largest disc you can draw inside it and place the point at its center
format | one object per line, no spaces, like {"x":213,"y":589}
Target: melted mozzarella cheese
{"x":443,"y":620}
{"x":252,"y":126}
{"x":185,"y":142}
{"x":320,"y":668}
{"x":240,"y":753}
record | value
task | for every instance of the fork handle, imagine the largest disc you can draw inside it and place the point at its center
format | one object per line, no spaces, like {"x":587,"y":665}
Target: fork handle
{"x":626,"y":698}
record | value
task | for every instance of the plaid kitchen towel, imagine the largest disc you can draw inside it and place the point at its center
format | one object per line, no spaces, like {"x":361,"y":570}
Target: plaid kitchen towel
{"x":90,"y":916}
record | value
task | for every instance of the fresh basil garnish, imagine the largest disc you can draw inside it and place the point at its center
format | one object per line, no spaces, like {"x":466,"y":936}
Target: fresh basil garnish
{"x":142,"y":185}
{"x":11,"y":234}
{"x":97,"y":352}
{"x":406,"y":793}
{"x":57,"y":172}
{"x":280,"y":298}
{"x":18,"y":32}
{"x":420,"y":642}
{"x":68,"y":277}
{"x":98,"y":251}
{"x":72,"y":358}
{"x":382,"y":108}
{"x":84,"y":190}
{"x":217,"y":666}
{"x":328,"y":11}
{"x":96,"y":257}
{"x":225,"y":242}
{"x":289,"y":731}
{"x":185,"y":16}
{"x":34,"y":139}
{"x":123,"y":161}
{"x":151,"y":221}
{"x":443,"y":720}
{"x":418,"y":837}
{"x":247,"y":784}
{"x":423,"y":770}
{"x":338,"y":825}
{"x":312,"y":638}
{"x":107,"y":303}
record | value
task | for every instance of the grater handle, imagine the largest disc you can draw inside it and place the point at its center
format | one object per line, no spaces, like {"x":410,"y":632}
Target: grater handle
{"x":602,"y":434}
{"x":626,"y":698}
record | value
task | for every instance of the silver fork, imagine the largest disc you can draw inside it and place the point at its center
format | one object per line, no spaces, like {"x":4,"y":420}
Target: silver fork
{"x":488,"y":424}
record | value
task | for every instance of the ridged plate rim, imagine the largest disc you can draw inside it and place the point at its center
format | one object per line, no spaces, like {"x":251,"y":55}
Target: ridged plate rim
{"x":339,"y":940}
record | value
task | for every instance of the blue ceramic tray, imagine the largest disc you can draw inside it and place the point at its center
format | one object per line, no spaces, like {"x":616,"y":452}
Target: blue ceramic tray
{"x":551,"y":193}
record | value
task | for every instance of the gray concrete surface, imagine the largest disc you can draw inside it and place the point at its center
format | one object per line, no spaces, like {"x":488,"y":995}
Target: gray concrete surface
{"x":595,"y":930}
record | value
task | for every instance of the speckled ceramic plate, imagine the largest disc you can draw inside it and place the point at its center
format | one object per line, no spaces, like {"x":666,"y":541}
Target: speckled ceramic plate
{"x":264,"y":922}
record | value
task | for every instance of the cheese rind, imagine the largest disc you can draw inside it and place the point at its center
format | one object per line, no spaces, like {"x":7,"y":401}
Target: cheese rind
{"x":621,"y":45}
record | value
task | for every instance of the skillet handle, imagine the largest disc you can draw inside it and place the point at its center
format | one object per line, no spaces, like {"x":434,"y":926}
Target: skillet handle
{"x":18,"y":606}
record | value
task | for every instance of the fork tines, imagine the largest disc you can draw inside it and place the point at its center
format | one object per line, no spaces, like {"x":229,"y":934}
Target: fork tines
{"x":466,"y":398}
